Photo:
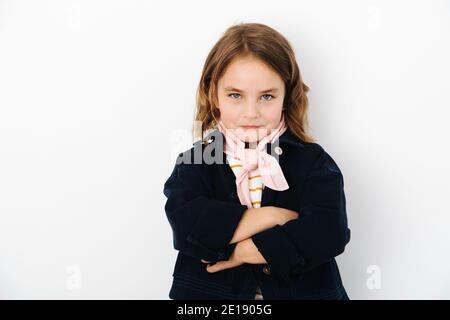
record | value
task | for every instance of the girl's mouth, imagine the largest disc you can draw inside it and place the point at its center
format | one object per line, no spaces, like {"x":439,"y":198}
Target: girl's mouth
{"x":250,"y":127}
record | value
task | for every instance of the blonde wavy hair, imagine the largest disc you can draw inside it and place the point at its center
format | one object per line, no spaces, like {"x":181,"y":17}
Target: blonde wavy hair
{"x":263,"y":42}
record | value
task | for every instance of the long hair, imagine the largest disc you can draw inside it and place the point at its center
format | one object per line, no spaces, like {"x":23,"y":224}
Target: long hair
{"x":263,"y":42}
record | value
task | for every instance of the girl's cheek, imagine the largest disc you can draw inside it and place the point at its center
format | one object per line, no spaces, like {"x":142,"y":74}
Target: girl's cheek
{"x":273,"y":115}
{"x":233,"y":116}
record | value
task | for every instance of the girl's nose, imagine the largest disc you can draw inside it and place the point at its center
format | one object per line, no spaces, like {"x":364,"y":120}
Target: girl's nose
{"x":251,"y":110}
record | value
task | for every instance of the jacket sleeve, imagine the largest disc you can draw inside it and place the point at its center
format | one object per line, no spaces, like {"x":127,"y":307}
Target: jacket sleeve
{"x":319,"y":234}
{"x":202,"y":227}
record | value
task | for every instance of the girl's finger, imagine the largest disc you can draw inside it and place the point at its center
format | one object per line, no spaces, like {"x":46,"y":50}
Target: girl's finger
{"x":222,"y":265}
{"x":216,"y":267}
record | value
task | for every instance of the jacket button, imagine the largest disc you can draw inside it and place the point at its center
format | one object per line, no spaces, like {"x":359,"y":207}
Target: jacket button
{"x":266,"y":270}
{"x":278,"y":150}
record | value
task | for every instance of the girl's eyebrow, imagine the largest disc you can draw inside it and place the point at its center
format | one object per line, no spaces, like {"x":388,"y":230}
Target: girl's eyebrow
{"x":239,"y":90}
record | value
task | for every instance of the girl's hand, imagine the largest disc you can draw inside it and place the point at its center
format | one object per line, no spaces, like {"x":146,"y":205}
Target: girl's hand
{"x":244,"y":252}
{"x":232,"y":262}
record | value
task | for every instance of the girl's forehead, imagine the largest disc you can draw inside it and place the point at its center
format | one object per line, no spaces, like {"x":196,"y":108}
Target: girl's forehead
{"x":250,"y":75}
{"x":241,"y":67}
{"x":246,"y":82}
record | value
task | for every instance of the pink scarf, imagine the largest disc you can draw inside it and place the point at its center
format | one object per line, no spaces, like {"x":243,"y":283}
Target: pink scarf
{"x":268,"y":166}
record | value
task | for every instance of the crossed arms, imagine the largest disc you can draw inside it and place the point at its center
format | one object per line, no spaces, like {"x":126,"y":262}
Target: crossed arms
{"x":229,"y":233}
{"x":253,"y":221}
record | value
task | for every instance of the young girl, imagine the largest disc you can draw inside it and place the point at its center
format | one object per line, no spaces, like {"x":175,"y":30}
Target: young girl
{"x":257,"y":208}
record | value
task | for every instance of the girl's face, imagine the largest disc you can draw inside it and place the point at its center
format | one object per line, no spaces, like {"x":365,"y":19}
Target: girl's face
{"x":250,"y":95}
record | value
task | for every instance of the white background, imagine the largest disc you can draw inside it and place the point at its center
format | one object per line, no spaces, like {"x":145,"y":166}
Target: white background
{"x":97,"y":98}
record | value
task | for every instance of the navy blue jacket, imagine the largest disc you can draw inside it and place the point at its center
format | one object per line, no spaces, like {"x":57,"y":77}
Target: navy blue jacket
{"x":203,"y":210}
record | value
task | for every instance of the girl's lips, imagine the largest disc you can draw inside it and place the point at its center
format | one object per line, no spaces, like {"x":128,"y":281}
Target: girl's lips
{"x":250,"y":127}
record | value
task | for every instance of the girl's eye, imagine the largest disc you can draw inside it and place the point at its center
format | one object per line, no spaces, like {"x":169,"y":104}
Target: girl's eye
{"x":269,"y":96}
{"x":233,"y":93}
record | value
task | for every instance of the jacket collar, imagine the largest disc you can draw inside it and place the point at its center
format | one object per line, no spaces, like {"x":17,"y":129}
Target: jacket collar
{"x":289,"y":138}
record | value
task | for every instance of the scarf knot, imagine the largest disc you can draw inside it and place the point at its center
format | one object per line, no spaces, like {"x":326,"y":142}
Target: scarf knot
{"x":251,"y":156}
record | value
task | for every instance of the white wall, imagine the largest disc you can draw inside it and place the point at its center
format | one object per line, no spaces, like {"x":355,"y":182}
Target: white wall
{"x":95,"y":94}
